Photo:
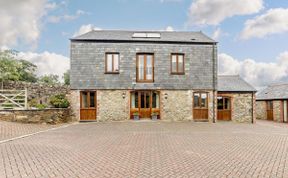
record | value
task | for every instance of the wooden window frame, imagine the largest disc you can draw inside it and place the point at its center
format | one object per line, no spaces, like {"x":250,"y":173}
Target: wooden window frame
{"x":145,"y":66}
{"x":106,"y":65}
{"x":224,"y":98}
{"x":267,"y":105}
{"x":88,"y":99}
{"x":199,"y":100}
{"x":177,"y":64}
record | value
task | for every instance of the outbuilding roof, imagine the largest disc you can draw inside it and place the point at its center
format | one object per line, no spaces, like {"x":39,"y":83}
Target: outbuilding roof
{"x":144,"y":36}
{"x":275,"y":91}
{"x":234,"y":83}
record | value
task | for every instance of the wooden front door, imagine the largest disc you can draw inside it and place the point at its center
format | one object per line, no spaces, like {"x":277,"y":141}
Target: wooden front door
{"x":88,"y":105}
{"x":200,"y":109}
{"x":224,"y":108}
{"x":269,"y":110}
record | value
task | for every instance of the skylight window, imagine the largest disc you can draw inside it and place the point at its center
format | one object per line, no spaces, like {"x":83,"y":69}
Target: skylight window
{"x":146,"y":35}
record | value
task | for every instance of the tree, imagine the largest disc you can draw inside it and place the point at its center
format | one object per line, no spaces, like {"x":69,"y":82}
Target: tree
{"x":49,"y":79}
{"x":15,"y":69}
{"x":66,"y":77}
{"x":27,"y":71}
{"x":8,"y":67}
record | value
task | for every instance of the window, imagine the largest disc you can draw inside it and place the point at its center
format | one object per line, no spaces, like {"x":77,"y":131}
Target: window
{"x":223,"y":103}
{"x":200,"y":100}
{"x":134,"y":100}
{"x":146,"y":35}
{"x":144,"y":69}
{"x":177,"y":64}
{"x":88,"y":99}
{"x":112,"y":63}
{"x":155,"y":99}
{"x":269,"y":105}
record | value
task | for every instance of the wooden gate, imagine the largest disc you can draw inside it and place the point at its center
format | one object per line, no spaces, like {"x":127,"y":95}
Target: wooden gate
{"x":13,"y":99}
{"x":88,"y":105}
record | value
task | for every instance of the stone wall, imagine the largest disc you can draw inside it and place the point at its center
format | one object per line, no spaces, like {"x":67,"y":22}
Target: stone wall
{"x":277,"y":116}
{"x":36,"y":91}
{"x":242,"y":107}
{"x":261,"y":110}
{"x":176,"y":105}
{"x":74,"y":99}
{"x":113,"y":105}
{"x":49,"y":116}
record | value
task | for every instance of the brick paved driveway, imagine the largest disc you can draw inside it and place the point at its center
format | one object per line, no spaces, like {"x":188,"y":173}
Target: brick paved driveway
{"x":150,"y":149}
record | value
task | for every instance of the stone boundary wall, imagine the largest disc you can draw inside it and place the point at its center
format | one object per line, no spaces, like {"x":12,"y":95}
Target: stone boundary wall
{"x":49,"y":116}
{"x":39,"y":92}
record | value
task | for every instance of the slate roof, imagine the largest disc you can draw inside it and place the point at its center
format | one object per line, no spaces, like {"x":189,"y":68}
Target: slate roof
{"x":120,"y":35}
{"x":234,"y":83}
{"x":276,"y":91}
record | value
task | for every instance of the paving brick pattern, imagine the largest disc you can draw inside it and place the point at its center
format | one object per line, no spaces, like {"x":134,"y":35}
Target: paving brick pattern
{"x":10,"y":130}
{"x":150,"y":149}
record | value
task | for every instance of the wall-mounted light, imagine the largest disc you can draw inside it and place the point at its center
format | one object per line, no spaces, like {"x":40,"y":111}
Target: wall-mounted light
{"x":166,"y":95}
{"x":123,"y":95}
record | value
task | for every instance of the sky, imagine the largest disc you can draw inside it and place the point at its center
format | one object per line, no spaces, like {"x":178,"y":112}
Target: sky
{"x":252,"y":35}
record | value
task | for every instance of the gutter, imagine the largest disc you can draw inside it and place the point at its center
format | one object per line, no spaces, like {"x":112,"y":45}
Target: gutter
{"x":214,"y":83}
{"x":252,"y":108}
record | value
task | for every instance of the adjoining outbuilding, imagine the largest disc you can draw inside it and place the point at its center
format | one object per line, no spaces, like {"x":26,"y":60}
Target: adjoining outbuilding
{"x":272,"y":103}
{"x":235,"y":99}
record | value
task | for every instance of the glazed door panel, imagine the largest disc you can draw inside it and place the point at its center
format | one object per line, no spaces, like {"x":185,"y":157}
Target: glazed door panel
{"x":145,"y":102}
{"x":224,"y":108}
{"x":200,"y":106}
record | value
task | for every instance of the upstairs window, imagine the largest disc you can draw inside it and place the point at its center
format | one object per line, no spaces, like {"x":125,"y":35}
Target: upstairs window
{"x":112,"y":63}
{"x":177,"y":64}
{"x":145,"y":68}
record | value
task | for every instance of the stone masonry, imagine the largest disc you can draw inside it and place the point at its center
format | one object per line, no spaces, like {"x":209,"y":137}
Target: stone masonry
{"x":277,"y":111}
{"x":112,"y":105}
{"x":242,"y":107}
{"x":176,"y":105}
{"x":261,"y":110}
{"x":49,"y":116}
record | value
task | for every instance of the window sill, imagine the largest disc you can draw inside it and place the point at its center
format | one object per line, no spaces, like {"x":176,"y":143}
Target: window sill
{"x":112,"y":73}
{"x":145,"y":81}
{"x":177,"y":73}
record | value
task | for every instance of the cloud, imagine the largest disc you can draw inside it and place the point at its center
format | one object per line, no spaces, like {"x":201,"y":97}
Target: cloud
{"x":258,"y":74}
{"x":21,"y":21}
{"x":213,"y":12}
{"x":85,"y":28}
{"x":47,"y":63}
{"x":57,"y":19}
{"x":272,"y":22}
{"x":169,"y":29}
{"x":216,"y":34}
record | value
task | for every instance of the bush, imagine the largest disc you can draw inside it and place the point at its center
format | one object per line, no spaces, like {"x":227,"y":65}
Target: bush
{"x":41,"y":106}
{"x":59,"y":101}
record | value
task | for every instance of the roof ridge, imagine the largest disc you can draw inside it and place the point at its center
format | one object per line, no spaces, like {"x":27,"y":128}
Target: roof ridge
{"x":277,"y":84}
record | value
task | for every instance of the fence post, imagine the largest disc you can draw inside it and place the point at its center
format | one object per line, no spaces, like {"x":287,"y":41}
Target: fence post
{"x":26,"y":99}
